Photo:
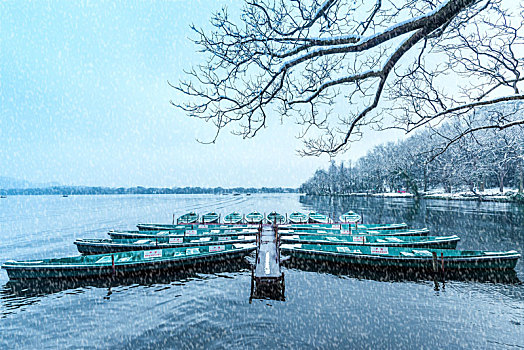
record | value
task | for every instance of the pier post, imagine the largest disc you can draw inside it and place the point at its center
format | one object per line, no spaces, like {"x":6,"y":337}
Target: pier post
{"x":443,"y":272}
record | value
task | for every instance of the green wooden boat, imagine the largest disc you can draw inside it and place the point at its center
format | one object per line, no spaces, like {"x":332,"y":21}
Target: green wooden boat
{"x":125,"y":262}
{"x":338,"y":231}
{"x":317,"y":218}
{"x":440,"y":242}
{"x":382,"y":227}
{"x":103,"y":246}
{"x":189,"y":218}
{"x":210,"y":218}
{"x":403,"y":258}
{"x":169,"y":227}
{"x":298,"y":218}
{"x":254,"y":218}
{"x":188,"y":232}
{"x":276,"y":218}
{"x":160,"y":227}
{"x":233,"y":218}
{"x":350,"y":217}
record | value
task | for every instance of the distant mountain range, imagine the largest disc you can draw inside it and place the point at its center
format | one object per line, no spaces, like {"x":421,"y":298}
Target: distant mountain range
{"x":7,"y":183}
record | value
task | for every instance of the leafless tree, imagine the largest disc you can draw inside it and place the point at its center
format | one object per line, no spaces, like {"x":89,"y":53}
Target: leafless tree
{"x":339,"y":67}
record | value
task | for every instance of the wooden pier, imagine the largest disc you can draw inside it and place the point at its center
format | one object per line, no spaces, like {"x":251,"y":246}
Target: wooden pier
{"x":267,"y":278}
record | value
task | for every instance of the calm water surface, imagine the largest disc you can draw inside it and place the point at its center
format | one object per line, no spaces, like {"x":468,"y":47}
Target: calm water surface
{"x":209,"y":308}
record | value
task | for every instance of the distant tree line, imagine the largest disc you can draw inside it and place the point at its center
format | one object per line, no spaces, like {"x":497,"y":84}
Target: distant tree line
{"x":83,"y":190}
{"x":431,"y":159}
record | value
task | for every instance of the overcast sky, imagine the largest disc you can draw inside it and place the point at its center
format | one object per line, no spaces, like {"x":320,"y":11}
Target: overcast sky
{"x":84,"y":100}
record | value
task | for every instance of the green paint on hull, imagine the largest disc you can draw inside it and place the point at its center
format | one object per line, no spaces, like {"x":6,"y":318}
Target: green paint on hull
{"x":298,"y":218}
{"x":178,"y":233}
{"x":254,"y":218}
{"x":449,"y":242}
{"x":402,"y":258}
{"x":233,"y":218}
{"x":126,"y":262}
{"x":188,"y":218}
{"x":104,"y":246}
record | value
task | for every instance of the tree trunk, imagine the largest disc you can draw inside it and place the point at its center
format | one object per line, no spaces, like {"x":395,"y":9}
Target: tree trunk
{"x":482,"y":185}
{"x":501,"y":184}
{"x":425,"y":178}
{"x":521,"y":176}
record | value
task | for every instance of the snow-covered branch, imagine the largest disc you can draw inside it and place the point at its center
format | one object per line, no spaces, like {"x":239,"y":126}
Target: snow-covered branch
{"x":418,"y":62}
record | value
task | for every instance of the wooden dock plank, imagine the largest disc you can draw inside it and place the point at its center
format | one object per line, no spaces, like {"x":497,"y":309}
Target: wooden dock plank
{"x":268,"y":261}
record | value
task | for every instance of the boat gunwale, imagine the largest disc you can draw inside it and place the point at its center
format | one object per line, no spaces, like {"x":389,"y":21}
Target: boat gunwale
{"x":509,"y":256}
{"x":32,"y":266}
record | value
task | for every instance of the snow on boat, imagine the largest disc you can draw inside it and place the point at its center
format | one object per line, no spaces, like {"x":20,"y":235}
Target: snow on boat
{"x":440,"y":242}
{"x":254,"y":218}
{"x":103,"y":246}
{"x":401,"y":226}
{"x":189,"y":218}
{"x":233,"y":218}
{"x":125,"y":262}
{"x":276,"y":218}
{"x":169,"y":227}
{"x":350,"y":217}
{"x":188,"y":232}
{"x":403,"y":258}
{"x":210,"y":218}
{"x":346,"y":230}
{"x":298,"y":218}
{"x":317,"y":218}
{"x":160,"y":227}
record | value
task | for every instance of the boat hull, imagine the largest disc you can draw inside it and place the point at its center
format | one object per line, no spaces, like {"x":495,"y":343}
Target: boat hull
{"x":21,"y":271}
{"x":506,"y":262}
{"x":449,"y":242}
{"x":103,"y":247}
{"x":412,"y":232}
{"x":233,"y":218}
{"x":185,"y":233}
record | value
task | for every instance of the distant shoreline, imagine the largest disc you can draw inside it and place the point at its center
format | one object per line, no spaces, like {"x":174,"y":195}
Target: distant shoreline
{"x":84,"y":190}
{"x":514,"y":198}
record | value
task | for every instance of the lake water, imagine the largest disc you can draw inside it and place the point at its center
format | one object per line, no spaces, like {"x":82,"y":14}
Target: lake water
{"x":323,"y":308}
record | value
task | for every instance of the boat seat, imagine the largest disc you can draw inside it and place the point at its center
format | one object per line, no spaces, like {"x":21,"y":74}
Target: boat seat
{"x":393,"y":239}
{"x":407,"y":254}
{"x":380,"y":240}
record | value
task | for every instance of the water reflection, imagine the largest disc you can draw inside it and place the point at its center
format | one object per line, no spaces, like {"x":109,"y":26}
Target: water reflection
{"x":273,"y":290}
{"x":396,"y":275}
{"x":16,"y":294}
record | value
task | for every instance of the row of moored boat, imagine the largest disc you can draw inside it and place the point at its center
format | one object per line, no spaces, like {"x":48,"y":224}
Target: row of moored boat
{"x":315,"y":237}
{"x":256,"y":217}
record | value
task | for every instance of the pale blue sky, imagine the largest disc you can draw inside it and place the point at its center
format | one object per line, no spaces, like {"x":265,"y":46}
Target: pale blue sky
{"x":84,"y":101}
